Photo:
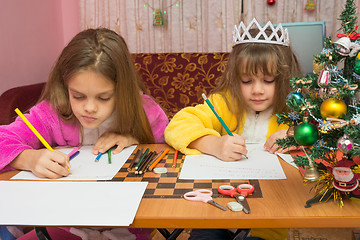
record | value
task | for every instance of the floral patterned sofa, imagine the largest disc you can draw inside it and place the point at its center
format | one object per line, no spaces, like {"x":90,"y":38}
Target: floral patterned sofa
{"x":175,"y":80}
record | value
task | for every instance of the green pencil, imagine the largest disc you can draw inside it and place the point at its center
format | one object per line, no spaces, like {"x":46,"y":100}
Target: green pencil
{"x":218,"y":117}
{"x":109,"y":156}
{"x":216,"y":114}
{"x":141,"y":159}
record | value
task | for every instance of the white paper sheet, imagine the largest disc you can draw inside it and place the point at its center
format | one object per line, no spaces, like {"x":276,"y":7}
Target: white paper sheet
{"x":69,"y":203}
{"x":259,"y":165}
{"x":84,"y":167}
{"x":288,"y":158}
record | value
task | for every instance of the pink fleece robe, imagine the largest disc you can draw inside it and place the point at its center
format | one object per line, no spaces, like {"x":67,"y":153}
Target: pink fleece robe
{"x":16,"y":137}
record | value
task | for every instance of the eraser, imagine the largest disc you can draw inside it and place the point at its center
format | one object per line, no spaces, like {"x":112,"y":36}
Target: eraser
{"x":235,"y":206}
{"x":160,"y":170}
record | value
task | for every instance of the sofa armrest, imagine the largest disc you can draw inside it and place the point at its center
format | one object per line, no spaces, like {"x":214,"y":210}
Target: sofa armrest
{"x":23,"y":97}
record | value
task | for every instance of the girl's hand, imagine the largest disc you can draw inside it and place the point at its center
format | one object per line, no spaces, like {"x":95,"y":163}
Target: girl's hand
{"x":271,"y":145}
{"x":43,"y":163}
{"x":227,"y":148}
{"x":230,"y":148}
{"x":109,"y":139}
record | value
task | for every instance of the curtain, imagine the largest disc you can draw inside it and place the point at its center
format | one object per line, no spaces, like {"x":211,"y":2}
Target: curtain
{"x":198,"y":25}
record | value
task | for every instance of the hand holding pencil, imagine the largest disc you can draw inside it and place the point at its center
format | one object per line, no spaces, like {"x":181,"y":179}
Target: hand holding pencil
{"x":231,"y":147}
{"x":42,"y":162}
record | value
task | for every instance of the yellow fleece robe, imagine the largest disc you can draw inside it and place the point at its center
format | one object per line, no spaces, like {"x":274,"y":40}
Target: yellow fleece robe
{"x":192,"y":123}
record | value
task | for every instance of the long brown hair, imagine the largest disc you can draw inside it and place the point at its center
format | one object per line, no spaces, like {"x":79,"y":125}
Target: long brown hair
{"x":249,"y":59}
{"x":103,"y":51}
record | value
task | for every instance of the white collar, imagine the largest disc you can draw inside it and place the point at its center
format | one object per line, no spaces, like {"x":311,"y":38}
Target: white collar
{"x":91,"y":135}
{"x":256,"y":125}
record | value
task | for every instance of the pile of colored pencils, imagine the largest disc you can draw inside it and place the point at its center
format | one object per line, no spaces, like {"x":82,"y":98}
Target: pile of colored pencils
{"x":146,"y":160}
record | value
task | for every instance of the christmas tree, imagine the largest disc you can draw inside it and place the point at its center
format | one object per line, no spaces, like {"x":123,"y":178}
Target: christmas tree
{"x":324,"y":116}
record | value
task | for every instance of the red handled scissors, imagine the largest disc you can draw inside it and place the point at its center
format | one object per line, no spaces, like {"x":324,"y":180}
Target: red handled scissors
{"x":202,"y":195}
{"x":243,"y":189}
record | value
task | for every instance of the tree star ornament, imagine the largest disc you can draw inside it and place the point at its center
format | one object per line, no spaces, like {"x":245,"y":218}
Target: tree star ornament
{"x":333,"y":108}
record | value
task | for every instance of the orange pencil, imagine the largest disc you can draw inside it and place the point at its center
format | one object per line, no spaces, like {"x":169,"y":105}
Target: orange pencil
{"x":175,"y":158}
{"x":158,"y":159}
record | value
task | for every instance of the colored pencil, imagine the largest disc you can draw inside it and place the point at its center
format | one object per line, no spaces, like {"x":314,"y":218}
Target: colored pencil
{"x":143,"y":167}
{"x":136,"y":158}
{"x":142,"y":162}
{"x":33,"y":129}
{"x":98,"y":156}
{"x":153,"y":159}
{"x":175,"y":158}
{"x":141,"y":158}
{"x":109,"y":155}
{"x":158,"y":159}
{"x":145,"y":160}
{"x":37,"y":134}
{"x":74,"y":151}
{"x":73,"y":155}
{"x":218,"y":117}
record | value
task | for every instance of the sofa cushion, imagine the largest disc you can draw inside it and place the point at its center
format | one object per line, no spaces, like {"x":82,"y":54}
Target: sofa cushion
{"x":177,"y":80}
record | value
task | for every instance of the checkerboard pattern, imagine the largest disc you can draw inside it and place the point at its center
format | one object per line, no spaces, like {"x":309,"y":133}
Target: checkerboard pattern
{"x":168,"y":185}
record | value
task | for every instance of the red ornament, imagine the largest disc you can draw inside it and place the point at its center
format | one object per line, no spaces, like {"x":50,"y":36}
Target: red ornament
{"x":356,"y":159}
{"x":270,"y":2}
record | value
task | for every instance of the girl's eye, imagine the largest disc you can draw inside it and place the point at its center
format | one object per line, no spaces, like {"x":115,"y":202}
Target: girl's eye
{"x":246,"y":81}
{"x":269,"y":81}
{"x":78,"y":97}
{"x":105,"y":98}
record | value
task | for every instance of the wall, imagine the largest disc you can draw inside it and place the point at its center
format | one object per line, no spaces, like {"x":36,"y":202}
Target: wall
{"x":33,"y":34}
{"x":199,"y":25}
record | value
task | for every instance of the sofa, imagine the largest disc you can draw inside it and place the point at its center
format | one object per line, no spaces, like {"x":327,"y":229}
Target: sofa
{"x":174,"y":80}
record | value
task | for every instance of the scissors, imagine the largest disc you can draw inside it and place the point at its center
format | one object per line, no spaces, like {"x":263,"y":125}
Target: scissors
{"x":202,"y":195}
{"x":243,"y":189}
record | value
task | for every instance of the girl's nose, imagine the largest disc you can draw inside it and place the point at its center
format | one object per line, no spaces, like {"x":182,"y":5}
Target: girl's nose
{"x":258,"y":88}
{"x":90,"y":106}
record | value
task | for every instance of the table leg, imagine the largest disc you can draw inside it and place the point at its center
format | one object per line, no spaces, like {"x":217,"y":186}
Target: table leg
{"x":168,"y":235}
{"x":240,"y":234}
{"x":42,"y":233}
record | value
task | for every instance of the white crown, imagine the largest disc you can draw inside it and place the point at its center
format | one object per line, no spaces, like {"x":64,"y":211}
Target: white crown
{"x":241,"y":34}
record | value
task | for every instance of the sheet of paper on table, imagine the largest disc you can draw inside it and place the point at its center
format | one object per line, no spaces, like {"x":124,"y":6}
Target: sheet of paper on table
{"x":288,"y":158}
{"x":84,"y":166}
{"x":48,"y":203}
{"x":260,"y":165}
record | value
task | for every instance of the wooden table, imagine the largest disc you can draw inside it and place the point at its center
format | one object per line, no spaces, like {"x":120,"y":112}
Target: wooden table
{"x":282,"y":206}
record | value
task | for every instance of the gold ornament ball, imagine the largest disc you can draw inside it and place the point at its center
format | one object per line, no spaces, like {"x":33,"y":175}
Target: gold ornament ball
{"x":333,"y":108}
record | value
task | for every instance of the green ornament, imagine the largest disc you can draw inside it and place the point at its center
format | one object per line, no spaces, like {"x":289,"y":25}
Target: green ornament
{"x":357,"y":64}
{"x":295,"y":96}
{"x":306,"y":134}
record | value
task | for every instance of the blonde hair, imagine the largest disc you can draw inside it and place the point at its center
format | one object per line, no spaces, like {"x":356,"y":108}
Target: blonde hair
{"x":249,"y":59}
{"x":105,"y":52}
